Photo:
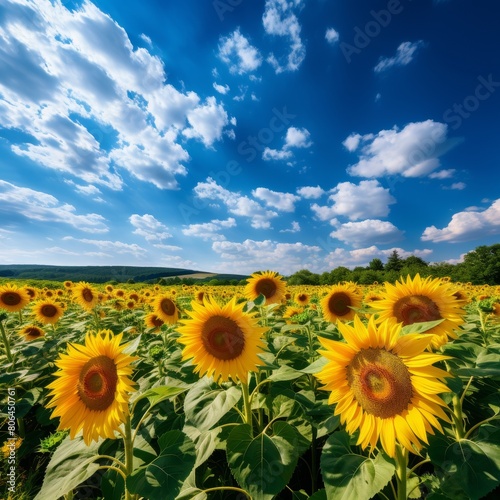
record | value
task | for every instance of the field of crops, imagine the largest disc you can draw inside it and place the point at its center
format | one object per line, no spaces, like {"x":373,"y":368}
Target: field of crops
{"x":264,"y":391}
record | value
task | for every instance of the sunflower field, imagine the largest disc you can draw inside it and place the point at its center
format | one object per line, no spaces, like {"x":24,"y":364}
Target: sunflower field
{"x":261,"y":391}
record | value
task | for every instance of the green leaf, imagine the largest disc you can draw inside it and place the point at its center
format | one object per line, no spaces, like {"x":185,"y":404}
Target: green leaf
{"x":316,"y":366}
{"x":474,"y":466}
{"x":206,"y":403}
{"x":319,"y":495}
{"x":264,"y":464}
{"x":260,"y":300}
{"x":349,"y":476}
{"x":71,"y":464}
{"x":158,"y":394}
{"x":133,"y":345}
{"x":285,"y":373}
{"x":420,"y":327}
{"x":162,"y":479}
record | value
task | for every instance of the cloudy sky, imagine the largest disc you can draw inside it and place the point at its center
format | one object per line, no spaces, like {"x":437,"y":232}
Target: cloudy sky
{"x":243,"y":135}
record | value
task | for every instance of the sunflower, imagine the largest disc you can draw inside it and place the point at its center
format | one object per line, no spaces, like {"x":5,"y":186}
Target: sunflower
{"x":302,"y":298}
{"x":47,"y":311}
{"x":164,"y":307}
{"x":31,"y":292}
{"x":92,"y":387}
{"x":268,"y":283}
{"x":420,"y":300}
{"x":339,"y":301}
{"x":384,"y":384}
{"x":13,"y":298}
{"x":31,"y":332}
{"x":152,"y":320}
{"x":223,"y":341}
{"x":85,"y":295}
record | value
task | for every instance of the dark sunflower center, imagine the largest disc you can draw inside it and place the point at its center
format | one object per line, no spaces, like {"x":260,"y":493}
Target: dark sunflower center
{"x":380,"y":382}
{"x":339,"y":304}
{"x":97,"y":383}
{"x":11,"y":298}
{"x":223,"y":338}
{"x":266,"y":287}
{"x":33,"y":332}
{"x":416,"y":309}
{"x":302,"y":297}
{"x":87,"y":295}
{"x":168,"y":307}
{"x":48,"y":310}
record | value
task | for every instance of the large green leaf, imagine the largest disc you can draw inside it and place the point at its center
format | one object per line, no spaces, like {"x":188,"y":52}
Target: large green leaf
{"x":206,"y":403}
{"x":158,"y":394}
{"x":472,"y":465}
{"x":70,"y":465}
{"x":162,"y":479}
{"x":264,"y":464}
{"x":349,"y":476}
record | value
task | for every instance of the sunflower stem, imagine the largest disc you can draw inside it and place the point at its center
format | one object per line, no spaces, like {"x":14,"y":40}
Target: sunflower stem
{"x":228,"y":488}
{"x":6,"y":343}
{"x":458,"y":418}
{"x":129,"y":454}
{"x":246,"y":404}
{"x":401,"y":474}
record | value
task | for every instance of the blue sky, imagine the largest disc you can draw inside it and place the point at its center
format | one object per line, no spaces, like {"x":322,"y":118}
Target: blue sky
{"x":233,"y":135}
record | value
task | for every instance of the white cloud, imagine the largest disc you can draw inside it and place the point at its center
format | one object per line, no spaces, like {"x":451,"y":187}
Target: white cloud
{"x":359,"y":234}
{"x":311,"y":192}
{"x":280,"y":20}
{"x":458,"y":186}
{"x":209,"y":230}
{"x":236,"y":203}
{"x":241,"y":57}
{"x":294,"y":229}
{"x":207,"y":122}
{"x":404,"y":55}
{"x":222,"y":89}
{"x":413,"y":151}
{"x":297,"y":138}
{"x":332,"y":36}
{"x":251,"y":256}
{"x":112,"y":247}
{"x":91,"y":102}
{"x":276,"y":154}
{"x":352,"y":142}
{"x":356,"y":201}
{"x":466,"y":226}
{"x":167,"y":248}
{"x":40,"y":206}
{"x":443,"y":174}
{"x":284,"y":202}
{"x":149,"y":227}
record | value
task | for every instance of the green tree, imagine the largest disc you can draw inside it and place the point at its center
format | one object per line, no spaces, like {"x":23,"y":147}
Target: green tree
{"x":303,"y":277}
{"x":376,"y":265}
{"x":482,"y":265}
{"x":394,"y":262}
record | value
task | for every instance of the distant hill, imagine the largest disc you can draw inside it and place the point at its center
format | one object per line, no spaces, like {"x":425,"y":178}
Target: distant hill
{"x":102,"y":274}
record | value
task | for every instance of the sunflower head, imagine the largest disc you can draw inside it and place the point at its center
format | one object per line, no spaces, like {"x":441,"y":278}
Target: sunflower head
{"x":31,"y":332}
{"x":223,"y":341}
{"x":302,"y":298}
{"x":268,"y":283}
{"x":384,"y":384}
{"x":93,"y":386}
{"x":47,"y":311}
{"x":85,"y":295}
{"x":13,"y":298}
{"x":165,"y":308}
{"x":152,"y":320}
{"x":340,"y":302}
{"x":420,"y":300}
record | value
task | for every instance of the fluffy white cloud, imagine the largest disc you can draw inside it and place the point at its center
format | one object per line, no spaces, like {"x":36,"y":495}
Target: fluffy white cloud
{"x":332,"y":36}
{"x":109,"y":248}
{"x":359,"y":234}
{"x":310,"y":192}
{"x":222,"y":89}
{"x":413,"y":151}
{"x":249,"y":256}
{"x":90,"y":102}
{"x":404,"y":55}
{"x":280,"y":20}
{"x":40,"y":206}
{"x":458,"y":186}
{"x":209,"y":230}
{"x":237,"y":52}
{"x":276,"y":154}
{"x":294,"y":229}
{"x":466,"y":226}
{"x":294,"y":138}
{"x":356,"y":201}
{"x":236,"y":203}
{"x":284,"y":202}
{"x":443,"y":174}
{"x":149,"y":227}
